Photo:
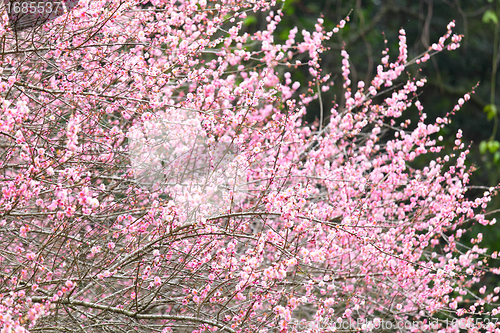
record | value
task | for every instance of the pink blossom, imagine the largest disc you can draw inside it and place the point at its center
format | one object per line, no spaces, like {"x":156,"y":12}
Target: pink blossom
{"x":157,"y":281}
{"x":181,"y":185}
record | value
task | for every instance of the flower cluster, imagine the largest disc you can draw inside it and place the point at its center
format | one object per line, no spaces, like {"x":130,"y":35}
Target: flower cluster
{"x":157,"y":174}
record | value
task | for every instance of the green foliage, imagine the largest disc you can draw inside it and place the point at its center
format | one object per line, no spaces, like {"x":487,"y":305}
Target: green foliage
{"x":491,"y":111}
{"x":483,"y":146}
{"x":288,"y":7}
{"x":493,"y":146}
{"x":490,"y":16}
{"x":249,"y":20}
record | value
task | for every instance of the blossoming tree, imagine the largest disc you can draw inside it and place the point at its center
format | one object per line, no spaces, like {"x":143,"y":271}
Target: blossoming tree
{"x":156,"y":176}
